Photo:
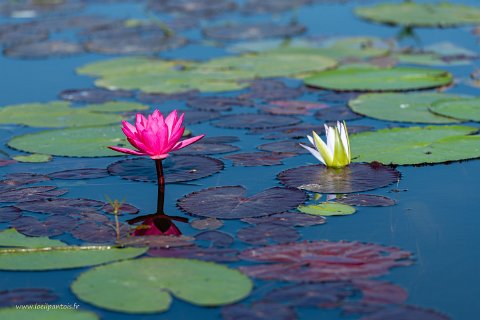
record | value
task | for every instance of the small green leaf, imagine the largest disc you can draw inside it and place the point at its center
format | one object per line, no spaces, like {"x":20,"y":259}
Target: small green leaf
{"x":328,"y":209}
{"x":34,"y":158}
{"x":12,"y":238}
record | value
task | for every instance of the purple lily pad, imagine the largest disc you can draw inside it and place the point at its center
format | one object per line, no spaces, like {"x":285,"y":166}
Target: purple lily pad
{"x":288,"y":219}
{"x":124,"y":208}
{"x":198,"y":116}
{"x":99,"y":232}
{"x":31,"y":194}
{"x":90,"y":217}
{"x":231,"y":202}
{"x":170,"y":241}
{"x":179,"y":168}
{"x":334,"y":97}
{"x":18,"y":34}
{"x":61,"y":206}
{"x":284,"y":146}
{"x":25,"y":296}
{"x":300,"y":131}
{"x":94,"y":95}
{"x":37,"y":9}
{"x":252,"y":31}
{"x":207,"y":254}
{"x":45,"y":49}
{"x":353,"y":178}
{"x":217,"y":103}
{"x":268,"y":89}
{"x":62,"y":23}
{"x":200,"y":8}
{"x":251,"y":159}
{"x":255,"y":121}
{"x":220,"y":139}
{"x":200,"y":148}
{"x":269,"y":6}
{"x":319,"y":261}
{"x":377,"y":293}
{"x":406,"y":312}
{"x":9,"y":213}
{"x":22,"y":178}
{"x":53,"y":225}
{"x":6,"y":162}
{"x":258,"y":311}
{"x":85,"y":173}
{"x":214,"y":238}
{"x":206,"y":224}
{"x":292,"y":107}
{"x":337,"y":113}
{"x":365,"y":200}
{"x":160,"y":98}
{"x":264,"y":234}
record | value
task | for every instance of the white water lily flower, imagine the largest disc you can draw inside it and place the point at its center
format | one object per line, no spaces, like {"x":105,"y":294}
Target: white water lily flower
{"x":336,"y":153}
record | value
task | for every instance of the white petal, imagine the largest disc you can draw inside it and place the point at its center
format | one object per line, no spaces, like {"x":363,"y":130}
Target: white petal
{"x":314,"y":152}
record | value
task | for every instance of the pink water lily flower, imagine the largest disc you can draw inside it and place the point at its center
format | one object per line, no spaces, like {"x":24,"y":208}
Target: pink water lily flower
{"x":155,"y":136}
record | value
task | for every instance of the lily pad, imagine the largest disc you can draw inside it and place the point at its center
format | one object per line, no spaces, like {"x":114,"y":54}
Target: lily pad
{"x":159,"y":241}
{"x":319,"y":261}
{"x":22,"y":178}
{"x":34,"y":158}
{"x":288,"y":219}
{"x":271,"y":89}
{"x":328,"y":209}
{"x":94,"y":95}
{"x":149,"y":288}
{"x":52,"y":314}
{"x":205,"y":254}
{"x":353,"y":178}
{"x":412,"y":107}
{"x":252,"y":159}
{"x":285,"y":146}
{"x":292,"y":107}
{"x":462,"y":109}
{"x":406,"y":312}
{"x":65,"y":257}
{"x":300,"y":131}
{"x":99,"y":232}
{"x":193,"y":8}
{"x":62,"y":206}
{"x":84,"y":173}
{"x":23,"y":296}
{"x":201,"y":148}
{"x":42,"y":50}
{"x":441,"y":14}
{"x":217,"y":103}
{"x":231,"y":202}
{"x":51,"y":226}
{"x":379,"y":79}
{"x":254,"y":121}
{"x":204,"y":224}
{"x":31,"y":194}
{"x":12,"y":238}
{"x":179,"y":168}
{"x":247,"y":31}
{"x":263,"y":234}
{"x":9,"y":213}
{"x":416,"y":145}
{"x":365,"y":200}
{"x":259,"y":311}
{"x":337,"y":113}
{"x":214,"y":239}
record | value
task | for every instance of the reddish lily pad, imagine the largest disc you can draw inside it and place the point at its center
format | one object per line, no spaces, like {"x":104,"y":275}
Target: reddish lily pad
{"x":267,"y":90}
{"x":206,"y":254}
{"x":168,"y":241}
{"x":22,"y":178}
{"x":365,"y":200}
{"x":90,"y":217}
{"x":179,"y":168}
{"x":220,"y":139}
{"x":207,"y":148}
{"x":264,"y":234}
{"x":206,"y":224}
{"x":380,"y":293}
{"x":160,"y":98}
{"x":61,"y":205}
{"x":251,"y":159}
{"x":247,"y":31}
{"x":258,"y":311}
{"x":353,"y":178}
{"x":285,"y":146}
{"x":6,"y":162}
{"x":214,"y":238}
{"x":41,"y":50}
{"x":231,"y":202}
{"x":288,"y":219}
{"x":254,"y":121}
{"x":403,"y":312}
{"x":31,"y":194}
{"x":98,"y":232}
{"x":85,"y":173}
{"x":292,"y":107}
{"x":198,"y":116}
{"x":9,"y":213}
{"x":124,"y":208}
{"x":26,"y":296}
{"x":51,"y":226}
{"x":323,"y":261}
{"x":94,"y":95}
{"x":217,"y":103}
{"x":337,"y":114}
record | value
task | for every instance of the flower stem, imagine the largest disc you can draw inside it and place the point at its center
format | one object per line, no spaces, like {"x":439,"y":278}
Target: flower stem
{"x":161,"y":186}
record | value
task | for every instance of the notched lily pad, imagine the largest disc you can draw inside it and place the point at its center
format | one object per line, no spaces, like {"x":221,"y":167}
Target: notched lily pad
{"x":300,"y":131}
{"x":99,"y":232}
{"x":462,"y":109}
{"x":62,"y":206}
{"x":178,"y":168}
{"x":353,"y":178}
{"x":264,"y":234}
{"x":292,"y":107}
{"x":247,"y":31}
{"x":231,"y":202}
{"x":288,"y":219}
{"x":365,"y":200}
{"x":84,"y":173}
{"x":254,"y":121}
{"x":270,"y":89}
{"x":252,"y":159}
{"x":31,"y":194}
{"x":22,"y":178}
{"x":50,"y":226}
{"x":285,"y":146}
{"x":214,"y":239}
{"x":94,"y":95}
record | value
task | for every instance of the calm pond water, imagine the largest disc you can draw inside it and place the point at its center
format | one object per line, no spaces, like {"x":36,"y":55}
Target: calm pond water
{"x":436,"y":215}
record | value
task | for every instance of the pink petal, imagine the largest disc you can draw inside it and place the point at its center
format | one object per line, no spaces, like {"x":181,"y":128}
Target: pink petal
{"x":140,"y":122}
{"x":178,"y":124}
{"x":129,"y":151}
{"x":184,"y":143}
{"x":128,"y":129}
{"x":170,"y":121}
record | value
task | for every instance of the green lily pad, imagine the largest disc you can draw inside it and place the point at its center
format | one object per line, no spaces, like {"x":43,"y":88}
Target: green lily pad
{"x":146,"y":285}
{"x":72,"y":142}
{"x":328,"y":209}
{"x":464,"y":109}
{"x":379,"y":79}
{"x":63,"y":257}
{"x":409,"y":13}
{"x":116,"y":106}
{"x":43,"y":314}
{"x":33,"y":158}
{"x":416,"y":145}
{"x":412,"y":107}
{"x":13,"y":238}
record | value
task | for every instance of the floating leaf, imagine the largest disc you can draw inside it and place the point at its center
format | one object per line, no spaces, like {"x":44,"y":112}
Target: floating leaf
{"x":26,"y":296}
{"x":259,"y":311}
{"x":31,"y":194}
{"x":204,"y":224}
{"x":176,"y":168}
{"x":441,"y":14}
{"x":84,"y":173}
{"x":9,"y":213}
{"x":200,"y":148}
{"x":193,"y":8}
{"x":51,"y":226}
{"x":269,"y":89}
{"x":12,"y":238}
{"x":353,"y":178}
{"x":379,"y":79}
{"x":300,"y":131}
{"x":231,"y":202}
{"x":34,"y":158}
{"x":412,"y":107}
{"x":169,"y":241}
{"x":160,"y":98}
{"x":292,"y":107}
{"x":365,"y":200}
{"x":214,"y":238}
{"x":45,"y":49}
{"x":462,"y":109}
{"x":206,"y":254}
{"x":406,"y":312}
{"x":94,"y":95}
{"x":285,"y":146}
{"x":288,"y":219}
{"x":217,"y":103}
{"x":22,"y":178}
{"x":328,"y":209}
{"x":66,"y":257}
{"x":53,"y":314}
{"x":416,"y":145}
{"x":258,"y":158}
{"x":99,"y":232}
{"x":62,"y":206}
{"x":263,"y":234}
{"x":123,"y":208}
{"x":323,"y":261}
{"x":247,"y":31}
{"x":148,"y":289}
{"x":255,"y":121}
{"x":338,"y":113}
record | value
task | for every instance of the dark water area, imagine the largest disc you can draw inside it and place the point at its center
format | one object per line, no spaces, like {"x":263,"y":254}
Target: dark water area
{"x":437,"y":212}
